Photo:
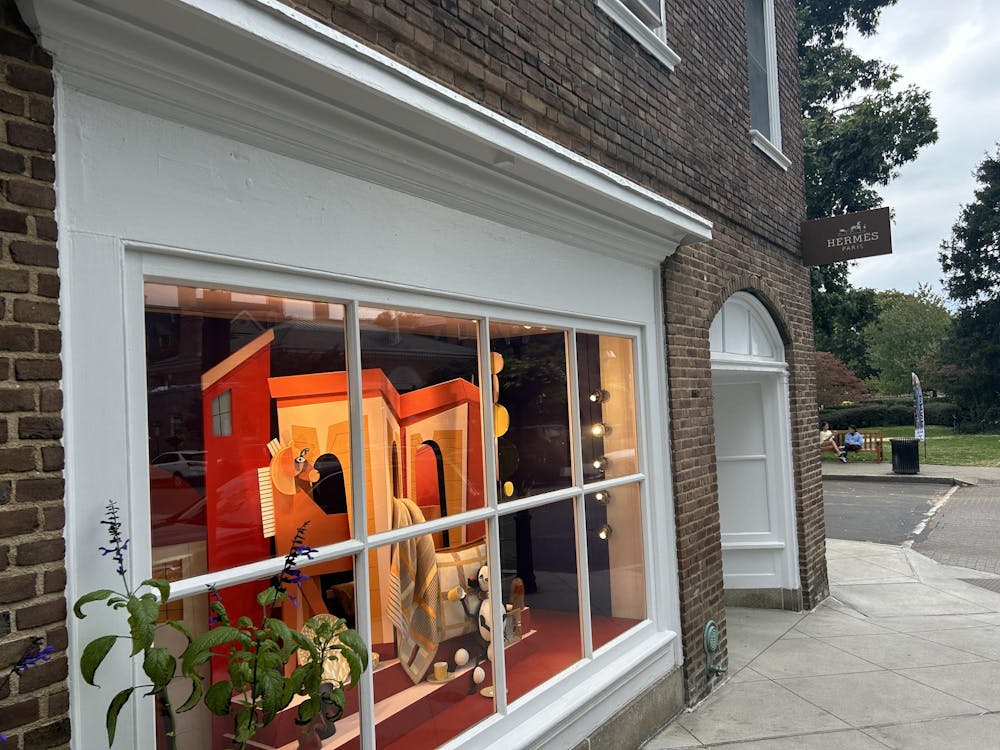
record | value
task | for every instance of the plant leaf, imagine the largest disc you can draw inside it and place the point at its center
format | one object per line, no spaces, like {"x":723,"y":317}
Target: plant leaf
{"x":93,"y":655}
{"x":196,"y":693}
{"x":354,"y":662}
{"x":179,"y":627}
{"x":160,"y":666}
{"x":205,"y":643}
{"x":352,"y":640}
{"x":143,"y":612}
{"x":115,"y":708}
{"x":160,"y":585}
{"x":271,"y":686}
{"x":219,"y":697}
{"x":93,"y":596}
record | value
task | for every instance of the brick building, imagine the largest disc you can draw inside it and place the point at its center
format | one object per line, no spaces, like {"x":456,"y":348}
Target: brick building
{"x":336,"y":229}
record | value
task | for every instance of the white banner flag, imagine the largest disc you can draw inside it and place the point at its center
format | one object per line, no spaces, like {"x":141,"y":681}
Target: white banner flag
{"x":918,"y":408}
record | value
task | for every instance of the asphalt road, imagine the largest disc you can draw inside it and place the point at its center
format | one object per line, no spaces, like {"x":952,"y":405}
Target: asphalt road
{"x":884,"y":512}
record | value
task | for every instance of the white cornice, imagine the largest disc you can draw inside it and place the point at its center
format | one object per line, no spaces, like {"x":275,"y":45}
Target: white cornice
{"x":262,"y":73}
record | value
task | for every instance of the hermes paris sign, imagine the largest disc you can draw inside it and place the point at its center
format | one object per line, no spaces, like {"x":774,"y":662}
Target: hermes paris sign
{"x":858,"y":235}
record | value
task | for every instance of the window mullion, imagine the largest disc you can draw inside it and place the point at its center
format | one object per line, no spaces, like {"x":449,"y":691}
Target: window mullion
{"x":362,"y":583}
{"x":493,"y":526}
{"x":576,"y":442}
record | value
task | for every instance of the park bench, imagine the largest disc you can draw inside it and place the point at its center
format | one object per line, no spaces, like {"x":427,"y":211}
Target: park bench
{"x":872,"y":444}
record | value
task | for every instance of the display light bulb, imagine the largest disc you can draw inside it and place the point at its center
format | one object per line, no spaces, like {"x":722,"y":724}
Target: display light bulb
{"x":601,"y":464}
{"x":600,"y":396}
{"x":603,"y":497}
{"x":599,"y":429}
{"x":604,"y":532}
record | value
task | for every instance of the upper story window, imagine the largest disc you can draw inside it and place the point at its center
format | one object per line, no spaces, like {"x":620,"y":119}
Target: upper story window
{"x":762,"y":63}
{"x":645,"y":21}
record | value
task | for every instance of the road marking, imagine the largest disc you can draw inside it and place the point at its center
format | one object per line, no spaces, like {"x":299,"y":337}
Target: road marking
{"x":919,"y":528}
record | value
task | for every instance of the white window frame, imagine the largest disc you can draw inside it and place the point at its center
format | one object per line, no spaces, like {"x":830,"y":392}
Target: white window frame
{"x":643,"y":25}
{"x":138,"y":263}
{"x":770,"y":143}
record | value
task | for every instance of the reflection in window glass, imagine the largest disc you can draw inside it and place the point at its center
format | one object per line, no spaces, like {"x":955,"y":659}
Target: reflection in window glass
{"x":540,"y":584}
{"x":607,"y":406}
{"x":434,"y":678}
{"x":326,"y":592}
{"x":533,"y":452}
{"x":423,"y":419}
{"x":615,"y":562}
{"x":234,"y":449}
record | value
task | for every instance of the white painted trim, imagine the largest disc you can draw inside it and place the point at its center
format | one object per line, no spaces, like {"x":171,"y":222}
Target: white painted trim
{"x":642,"y":31}
{"x":753,"y":545}
{"x":773,"y":152}
{"x":773,"y":104}
{"x":265,"y":74}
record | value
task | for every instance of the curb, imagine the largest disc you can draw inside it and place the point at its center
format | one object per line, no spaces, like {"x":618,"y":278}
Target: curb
{"x":911,"y":478}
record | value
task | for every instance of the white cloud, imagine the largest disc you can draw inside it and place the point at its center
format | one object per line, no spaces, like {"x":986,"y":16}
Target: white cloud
{"x":952,"y":50}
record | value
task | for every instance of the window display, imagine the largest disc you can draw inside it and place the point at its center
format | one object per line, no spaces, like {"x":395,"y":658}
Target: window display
{"x":252,"y":421}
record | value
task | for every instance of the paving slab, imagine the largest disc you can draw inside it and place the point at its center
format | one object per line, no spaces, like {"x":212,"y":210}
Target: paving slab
{"x":887,"y":599}
{"x":869,"y":698}
{"x":850,"y":740}
{"x":860,"y":570}
{"x":804,"y":657}
{"x":674,"y":736}
{"x":922,"y":623}
{"x":964,"y":733}
{"x":756,"y":710}
{"x":825,"y":622}
{"x":899,"y":650}
{"x":984,"y":641}
{"x":977,"y":683}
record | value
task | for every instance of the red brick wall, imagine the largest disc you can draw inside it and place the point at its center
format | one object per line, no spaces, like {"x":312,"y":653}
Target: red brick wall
{"x":567,"y":71}
{"x":33,"y":706}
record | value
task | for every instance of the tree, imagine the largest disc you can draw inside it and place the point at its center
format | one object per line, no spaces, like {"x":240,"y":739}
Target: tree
{"x":858,"y":126}
{"x":971,"y":263}
{"x":835,"y":383}
{"x":906,"y":337}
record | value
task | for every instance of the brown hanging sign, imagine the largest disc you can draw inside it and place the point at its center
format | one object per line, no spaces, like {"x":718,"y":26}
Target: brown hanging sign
{"x":858,"y":235}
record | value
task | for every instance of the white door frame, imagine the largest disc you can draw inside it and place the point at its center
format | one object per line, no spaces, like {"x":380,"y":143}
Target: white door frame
{"x":747,"y":348}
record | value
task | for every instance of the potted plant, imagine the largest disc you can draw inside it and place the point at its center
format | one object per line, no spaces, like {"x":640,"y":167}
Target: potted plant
{"x":268,"y":663}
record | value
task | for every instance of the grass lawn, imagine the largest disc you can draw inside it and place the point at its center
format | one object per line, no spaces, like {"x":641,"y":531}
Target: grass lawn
{"x":941,"y":447}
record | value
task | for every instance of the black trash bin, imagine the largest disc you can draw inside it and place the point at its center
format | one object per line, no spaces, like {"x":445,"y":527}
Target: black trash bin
{"x":905,"y":455}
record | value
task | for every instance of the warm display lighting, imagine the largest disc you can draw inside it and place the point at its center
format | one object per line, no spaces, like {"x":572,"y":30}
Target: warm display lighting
{"x":604,"y":532}
{"x":601,"y":464}
{"x":600,"y":396}
{"x":603,"y":497}
{"x":600,"y":429}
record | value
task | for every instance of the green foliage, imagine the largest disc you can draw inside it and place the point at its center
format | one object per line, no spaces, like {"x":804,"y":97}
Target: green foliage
{"x":256,"y":655}
{"x":906,"y":337}
{"x":971,"y":258}
{"x":859,"y":127}
{"x":879,"y":413}
{"x":971,"y":262}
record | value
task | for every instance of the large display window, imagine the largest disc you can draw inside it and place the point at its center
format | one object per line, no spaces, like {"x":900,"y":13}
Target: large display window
{"x":487,"y":471}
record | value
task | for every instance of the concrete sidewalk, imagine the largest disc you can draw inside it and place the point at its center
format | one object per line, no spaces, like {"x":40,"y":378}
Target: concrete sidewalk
{"x":858,"y":470}
{"x":904,"y":654}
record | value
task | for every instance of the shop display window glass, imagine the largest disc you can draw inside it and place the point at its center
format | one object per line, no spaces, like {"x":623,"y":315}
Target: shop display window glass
{"x":607,"y":406}
{"x":541,"y":588}
{"x":434,"y":677}
{"x":258,"y":407}
{"x":321,"y":594}
{"x":422,"y":416}
{"x":615,"y":561}
{"x":235,"y":474}
{"x":531,"y":413}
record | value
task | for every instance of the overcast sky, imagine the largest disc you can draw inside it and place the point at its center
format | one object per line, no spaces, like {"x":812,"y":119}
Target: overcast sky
{"x":953,"y":50}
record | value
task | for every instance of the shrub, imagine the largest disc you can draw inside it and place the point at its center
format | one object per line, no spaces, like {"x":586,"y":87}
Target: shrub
{"x":888,"y":414}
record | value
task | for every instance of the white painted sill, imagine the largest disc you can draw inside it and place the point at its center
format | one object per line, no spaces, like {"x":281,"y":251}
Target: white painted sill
{"x":645,"y":36}
{"x":764,"y":144}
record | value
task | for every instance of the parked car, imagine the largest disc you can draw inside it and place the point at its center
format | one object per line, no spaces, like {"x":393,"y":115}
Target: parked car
{"x":186,"y":467}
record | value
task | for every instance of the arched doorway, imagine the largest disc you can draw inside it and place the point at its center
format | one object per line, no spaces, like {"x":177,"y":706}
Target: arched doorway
{"x":753,"y":457}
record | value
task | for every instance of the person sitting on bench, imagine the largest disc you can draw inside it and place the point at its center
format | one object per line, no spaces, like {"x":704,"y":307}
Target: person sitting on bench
{"x":853,"y":441}
{"x":826,"y":440}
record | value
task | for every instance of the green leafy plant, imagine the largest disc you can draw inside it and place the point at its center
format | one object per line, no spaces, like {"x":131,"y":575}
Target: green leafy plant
{"x":259,"y":656}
